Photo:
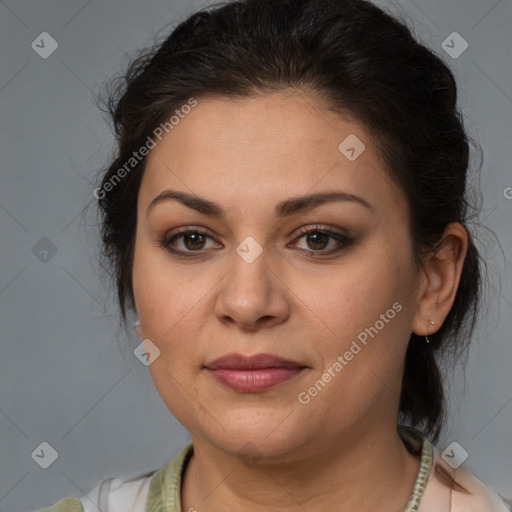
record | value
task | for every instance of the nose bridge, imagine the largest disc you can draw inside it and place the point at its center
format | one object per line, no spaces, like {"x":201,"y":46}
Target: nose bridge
{"x":249,"y":276}
{"x":250,"y":290}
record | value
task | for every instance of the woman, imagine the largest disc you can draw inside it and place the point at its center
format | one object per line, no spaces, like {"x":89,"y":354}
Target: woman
{"x":286,"y":215}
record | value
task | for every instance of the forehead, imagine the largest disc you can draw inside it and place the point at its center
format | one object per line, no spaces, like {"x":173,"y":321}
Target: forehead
{"x":273,"y":145}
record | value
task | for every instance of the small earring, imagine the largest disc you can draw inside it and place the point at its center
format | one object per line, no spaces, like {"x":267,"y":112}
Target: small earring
{"x":428,"y":331}
{"x":136,"y":325}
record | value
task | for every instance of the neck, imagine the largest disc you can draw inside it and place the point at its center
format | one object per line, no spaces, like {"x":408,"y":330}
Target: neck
{"x":370,"y":471}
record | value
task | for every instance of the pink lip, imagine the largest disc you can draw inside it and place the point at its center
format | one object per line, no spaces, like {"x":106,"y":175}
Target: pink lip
{"x":252,"y":374}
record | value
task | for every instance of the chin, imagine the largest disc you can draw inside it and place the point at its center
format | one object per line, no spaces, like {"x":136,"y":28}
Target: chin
{"x":269,"y":436}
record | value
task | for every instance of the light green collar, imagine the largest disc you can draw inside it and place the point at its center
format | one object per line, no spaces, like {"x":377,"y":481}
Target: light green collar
{"x":165,"y":487}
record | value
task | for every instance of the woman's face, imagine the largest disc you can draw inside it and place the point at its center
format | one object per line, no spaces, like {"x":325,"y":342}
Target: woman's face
{"x":340,"y":305}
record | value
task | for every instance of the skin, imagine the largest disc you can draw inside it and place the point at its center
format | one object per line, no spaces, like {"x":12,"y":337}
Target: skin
{"x":341,"y":450}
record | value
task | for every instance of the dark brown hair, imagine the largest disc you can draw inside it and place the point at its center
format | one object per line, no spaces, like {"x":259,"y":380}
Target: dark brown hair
{"x":363,"y":62}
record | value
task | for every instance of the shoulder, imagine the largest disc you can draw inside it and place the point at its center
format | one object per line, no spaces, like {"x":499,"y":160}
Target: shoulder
{"x":460,"y":490}
{"x":132,"y":492}
{"x":442,"y":485}
{"x":120,"y":494}
{"x":478,"y":496}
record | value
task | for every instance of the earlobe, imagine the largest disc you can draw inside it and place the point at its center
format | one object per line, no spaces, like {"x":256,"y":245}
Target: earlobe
{"x":442,"y":271}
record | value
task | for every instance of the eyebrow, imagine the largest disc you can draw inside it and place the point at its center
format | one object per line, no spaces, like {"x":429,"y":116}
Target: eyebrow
{"x":283,"y":209}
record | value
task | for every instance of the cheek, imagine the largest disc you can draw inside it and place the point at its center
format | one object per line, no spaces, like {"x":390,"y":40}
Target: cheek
{"x":360,"y":291}
{"x":367,"y":307}
{"x":168,"y":301}
{"x":153,"y":292}
{"x":154,"y":287}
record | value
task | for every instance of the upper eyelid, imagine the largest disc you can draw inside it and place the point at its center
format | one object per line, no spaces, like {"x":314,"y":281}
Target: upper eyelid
{"x":299,"y":231}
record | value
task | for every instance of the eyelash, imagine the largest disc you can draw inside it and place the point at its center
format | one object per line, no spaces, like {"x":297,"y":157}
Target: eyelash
{"x":343,"y":240}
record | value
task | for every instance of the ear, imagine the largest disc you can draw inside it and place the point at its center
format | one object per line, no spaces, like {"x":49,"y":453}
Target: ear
{"x":440,"y":276}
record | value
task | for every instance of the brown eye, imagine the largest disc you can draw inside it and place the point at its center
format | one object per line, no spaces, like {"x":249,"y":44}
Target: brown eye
{"x":317,"y":241}
{"x":192,"y":241}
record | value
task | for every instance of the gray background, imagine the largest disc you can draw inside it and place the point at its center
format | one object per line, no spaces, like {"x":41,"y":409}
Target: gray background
{"x":68,"y":376}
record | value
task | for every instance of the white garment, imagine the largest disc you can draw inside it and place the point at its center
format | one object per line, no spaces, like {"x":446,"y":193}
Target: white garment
{"x":119,"y":494}
{"x":129,"y":493}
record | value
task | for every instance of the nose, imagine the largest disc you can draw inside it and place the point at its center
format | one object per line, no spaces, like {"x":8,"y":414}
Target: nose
{"x":252,"y":295}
